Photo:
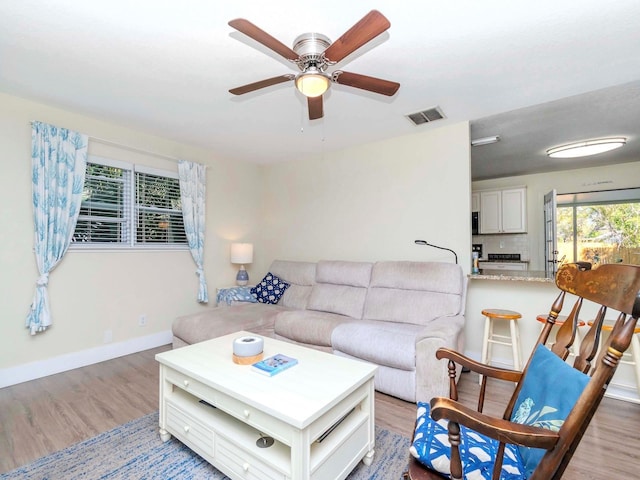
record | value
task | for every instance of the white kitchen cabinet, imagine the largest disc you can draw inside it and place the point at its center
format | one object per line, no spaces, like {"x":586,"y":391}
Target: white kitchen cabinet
{"x":503,"y":211}
{"x":475,"y":202}
{"x":488,"y":266}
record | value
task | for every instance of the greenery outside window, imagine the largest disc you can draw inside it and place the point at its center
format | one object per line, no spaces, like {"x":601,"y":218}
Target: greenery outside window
{"x":129,"y":206}
{"x":599,"y":227}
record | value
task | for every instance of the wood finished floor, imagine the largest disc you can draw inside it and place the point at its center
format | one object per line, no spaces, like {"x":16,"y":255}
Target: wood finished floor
{"x":46,"y":415}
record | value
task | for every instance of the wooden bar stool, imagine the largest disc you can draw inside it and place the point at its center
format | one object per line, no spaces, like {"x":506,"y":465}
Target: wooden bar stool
{"x":512,"y":340}
{"x":542,"y":318}
{"x":630,"y":358}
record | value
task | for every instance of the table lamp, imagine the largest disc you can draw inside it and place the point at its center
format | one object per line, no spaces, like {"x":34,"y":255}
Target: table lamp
{"x":242,"y":253}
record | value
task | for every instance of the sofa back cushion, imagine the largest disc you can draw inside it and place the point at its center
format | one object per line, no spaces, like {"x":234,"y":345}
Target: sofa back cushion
{"x":341,"y":287}
{"x":300,"y":276}
{"x":415,"y":292}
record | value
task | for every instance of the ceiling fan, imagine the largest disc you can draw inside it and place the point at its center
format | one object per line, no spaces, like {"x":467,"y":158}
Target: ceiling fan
{"x":314,"y":53}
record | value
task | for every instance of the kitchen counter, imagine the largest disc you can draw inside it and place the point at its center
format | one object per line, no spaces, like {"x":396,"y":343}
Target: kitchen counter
{"x":513,"y":276}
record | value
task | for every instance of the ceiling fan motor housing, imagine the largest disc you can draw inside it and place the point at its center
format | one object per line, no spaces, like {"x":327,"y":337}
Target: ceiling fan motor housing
{"x":310,"y":48}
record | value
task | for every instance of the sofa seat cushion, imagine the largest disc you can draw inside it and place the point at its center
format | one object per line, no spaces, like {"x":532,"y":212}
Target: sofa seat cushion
{"x":218,"y":321}
{"x":383,"y":343}
{"x":308,"y":326}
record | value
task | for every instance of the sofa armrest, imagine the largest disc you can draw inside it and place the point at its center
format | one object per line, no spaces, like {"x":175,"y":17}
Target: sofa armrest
{"x":432,"y":376}
{"x":443,"y":328}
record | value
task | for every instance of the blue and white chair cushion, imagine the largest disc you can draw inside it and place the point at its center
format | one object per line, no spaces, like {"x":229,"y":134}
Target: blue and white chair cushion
{"x":477,"y":452}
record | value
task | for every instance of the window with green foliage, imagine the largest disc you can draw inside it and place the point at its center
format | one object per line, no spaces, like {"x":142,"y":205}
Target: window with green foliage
{"x":127,"y":205}
{"x":600,"y":227}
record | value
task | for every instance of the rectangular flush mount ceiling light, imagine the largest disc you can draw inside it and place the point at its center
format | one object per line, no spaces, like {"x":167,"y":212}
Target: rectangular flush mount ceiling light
{"x":485,"y":141}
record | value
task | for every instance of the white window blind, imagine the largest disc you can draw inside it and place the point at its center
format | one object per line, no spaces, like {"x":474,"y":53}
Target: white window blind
{"x":158,"y":209}
{"x":129,"y":206}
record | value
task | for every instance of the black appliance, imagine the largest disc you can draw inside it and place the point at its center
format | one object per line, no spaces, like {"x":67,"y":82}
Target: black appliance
{"x":477,"y":247}
{"x":475,"y":223}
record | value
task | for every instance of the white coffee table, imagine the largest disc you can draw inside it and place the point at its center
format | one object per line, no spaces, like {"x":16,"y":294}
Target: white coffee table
{"x":295,"y":408}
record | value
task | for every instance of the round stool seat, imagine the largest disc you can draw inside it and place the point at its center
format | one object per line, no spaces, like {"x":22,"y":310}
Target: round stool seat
{"x":501,"y":314}
{"x":542,"y":318}
{"x":607,"y":327}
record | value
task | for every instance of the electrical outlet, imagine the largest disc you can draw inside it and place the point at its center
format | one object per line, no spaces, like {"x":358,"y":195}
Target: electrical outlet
{"x":501,"y":243}
{"x":142,"y":320}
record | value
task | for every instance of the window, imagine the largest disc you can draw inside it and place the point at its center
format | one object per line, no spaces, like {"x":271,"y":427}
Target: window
{"x":599,"y":227}
{"x":126,"y":205}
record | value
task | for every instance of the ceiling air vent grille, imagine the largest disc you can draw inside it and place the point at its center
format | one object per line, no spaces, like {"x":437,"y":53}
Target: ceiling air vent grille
{"x":426,"y":116}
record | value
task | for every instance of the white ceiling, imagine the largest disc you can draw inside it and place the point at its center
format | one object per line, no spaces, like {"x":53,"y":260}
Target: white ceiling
{"x":165,"y":67}
{"x":527,"y":133}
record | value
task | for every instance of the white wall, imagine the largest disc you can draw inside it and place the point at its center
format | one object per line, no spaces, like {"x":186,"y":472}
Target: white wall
{"x":94,"y":292}
{"x":371,"y":202}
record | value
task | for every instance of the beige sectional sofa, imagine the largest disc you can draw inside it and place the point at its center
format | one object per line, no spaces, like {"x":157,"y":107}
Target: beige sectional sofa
{"x":395,"y":314}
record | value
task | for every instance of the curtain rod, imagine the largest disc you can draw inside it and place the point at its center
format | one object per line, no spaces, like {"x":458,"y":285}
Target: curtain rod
{"x":128,"y":147}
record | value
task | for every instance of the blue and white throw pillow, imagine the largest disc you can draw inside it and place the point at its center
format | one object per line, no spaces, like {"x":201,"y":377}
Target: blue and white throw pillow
{"x":269,"y":289}
{"x":477,"y":452}
{"x":549,"y":392}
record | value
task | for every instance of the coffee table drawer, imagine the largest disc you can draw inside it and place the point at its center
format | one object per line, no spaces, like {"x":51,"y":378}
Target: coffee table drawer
{"x":242,"y":463}
{"x":243,"y":412}
{"x":256,"y":418}
{"x":190,"y":431}
{"x":190,"y":385}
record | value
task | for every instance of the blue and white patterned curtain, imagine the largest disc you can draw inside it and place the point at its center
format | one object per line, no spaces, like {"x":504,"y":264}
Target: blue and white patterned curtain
{"x":58,"y":159}
{"x":193,"y":196}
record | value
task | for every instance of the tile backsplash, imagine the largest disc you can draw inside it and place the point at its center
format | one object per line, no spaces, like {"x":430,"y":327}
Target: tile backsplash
{"x":516,"y":243}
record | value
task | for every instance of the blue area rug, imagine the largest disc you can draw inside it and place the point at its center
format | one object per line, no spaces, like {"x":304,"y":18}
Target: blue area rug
{"x":134,"y":451}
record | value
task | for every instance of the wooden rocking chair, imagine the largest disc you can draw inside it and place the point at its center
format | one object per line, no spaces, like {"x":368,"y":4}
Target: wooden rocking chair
{"x":545,"y":446}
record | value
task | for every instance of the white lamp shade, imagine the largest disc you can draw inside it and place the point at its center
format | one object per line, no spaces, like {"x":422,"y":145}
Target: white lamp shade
{"x":242,"y":253}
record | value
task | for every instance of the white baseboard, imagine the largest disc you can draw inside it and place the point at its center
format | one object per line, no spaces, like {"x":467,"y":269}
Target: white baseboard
{"x":627,"y":393}
{"x":31,"y":371}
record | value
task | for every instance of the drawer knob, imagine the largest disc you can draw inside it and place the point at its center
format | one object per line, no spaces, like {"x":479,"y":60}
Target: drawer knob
{"x":186,"y":429}
{"x":245,"y":467}
{"x":247,"y":413}
{"x":186,"y":383}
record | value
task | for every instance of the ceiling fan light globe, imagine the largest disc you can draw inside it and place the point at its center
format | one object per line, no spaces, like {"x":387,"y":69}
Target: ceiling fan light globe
{"x":312,"y":84}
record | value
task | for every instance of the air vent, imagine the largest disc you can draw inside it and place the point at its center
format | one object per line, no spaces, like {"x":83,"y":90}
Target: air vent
{"x":426,"y":116}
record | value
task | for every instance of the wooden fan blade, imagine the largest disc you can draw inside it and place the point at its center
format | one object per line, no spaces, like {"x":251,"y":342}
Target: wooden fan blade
{"x":315,"y":107}
{"x":260,"y":36}
{"x":261,"y":84}
{"x":371,"y":25}
{"x":364,"y":82}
